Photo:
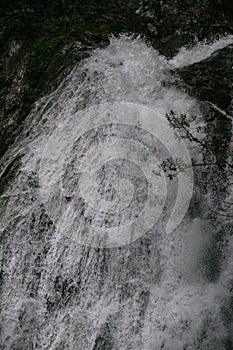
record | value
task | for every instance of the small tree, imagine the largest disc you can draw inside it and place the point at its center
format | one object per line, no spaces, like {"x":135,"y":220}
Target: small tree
{"x":219,"y":157}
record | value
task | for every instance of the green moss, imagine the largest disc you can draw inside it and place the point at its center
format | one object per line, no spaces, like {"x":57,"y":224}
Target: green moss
{"x":46,"y":24}
{"x":44,"y":16}
{"x":41,"y":54}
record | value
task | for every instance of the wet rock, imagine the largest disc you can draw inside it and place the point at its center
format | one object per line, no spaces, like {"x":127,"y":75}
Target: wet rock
{"x":167,"y":24}
{"x":152,"y":29}
{"x":212,"y":79}
{"x":181,"y":22}
{"x":224,"y":4}
{"x":104,"y":340}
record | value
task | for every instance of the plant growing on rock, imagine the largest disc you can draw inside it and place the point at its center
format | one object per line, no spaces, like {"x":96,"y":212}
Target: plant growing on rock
{"x":219,"y":154}
{"x":144,"y":5}
{"x":219,"y":158}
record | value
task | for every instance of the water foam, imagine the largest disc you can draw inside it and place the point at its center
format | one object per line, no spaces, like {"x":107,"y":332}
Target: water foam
{"x":152,"y":294}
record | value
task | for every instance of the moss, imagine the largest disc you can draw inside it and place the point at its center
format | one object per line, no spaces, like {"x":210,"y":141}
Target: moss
{"x":40,"y":56}
{"x":48,"y":31}
{"x":31,"y":16}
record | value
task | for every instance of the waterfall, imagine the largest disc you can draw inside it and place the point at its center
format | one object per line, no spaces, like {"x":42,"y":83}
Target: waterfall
{"x":99,"y":248}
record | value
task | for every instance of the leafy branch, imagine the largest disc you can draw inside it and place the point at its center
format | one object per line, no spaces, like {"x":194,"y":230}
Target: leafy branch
{"x":220,"y":155}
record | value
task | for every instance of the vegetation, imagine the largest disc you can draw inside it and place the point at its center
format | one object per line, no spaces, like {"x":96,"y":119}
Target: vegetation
{"x":144,"y":5}
{"x":44,"y":26}
{"x":46,"y":22}
{"x":218,"y":156}
{"x":41,"y":54}
{"x":44,"y":15}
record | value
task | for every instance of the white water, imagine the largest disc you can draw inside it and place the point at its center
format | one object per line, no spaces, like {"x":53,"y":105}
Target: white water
{"x":151,"y":294}
{"x":201,"y":51}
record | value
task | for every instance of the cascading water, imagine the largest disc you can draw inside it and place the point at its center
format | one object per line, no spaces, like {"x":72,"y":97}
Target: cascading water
{"x":144,"y":287}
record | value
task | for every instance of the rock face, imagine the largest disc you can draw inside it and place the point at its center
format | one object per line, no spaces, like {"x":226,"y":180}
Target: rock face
{"x":211,"y":80}
{"x":168,"y":25}
{"x":179,"y":22}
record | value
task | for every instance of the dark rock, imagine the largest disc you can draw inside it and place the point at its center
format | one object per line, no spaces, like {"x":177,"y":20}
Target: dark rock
{"x":212,"y":79}
{"x":152,"y":29}
{"x":104,"y":339}
{"x":224,"y":5}
{"x":186,"y":20}
{"x":167,"y":24}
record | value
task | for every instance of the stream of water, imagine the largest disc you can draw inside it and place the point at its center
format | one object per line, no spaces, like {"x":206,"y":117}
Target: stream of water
{"x":99,"y":248}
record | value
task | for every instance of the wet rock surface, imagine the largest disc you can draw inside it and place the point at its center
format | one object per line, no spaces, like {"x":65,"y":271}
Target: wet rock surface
{"x":212,"y":79}
{"x":168,"y":25}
